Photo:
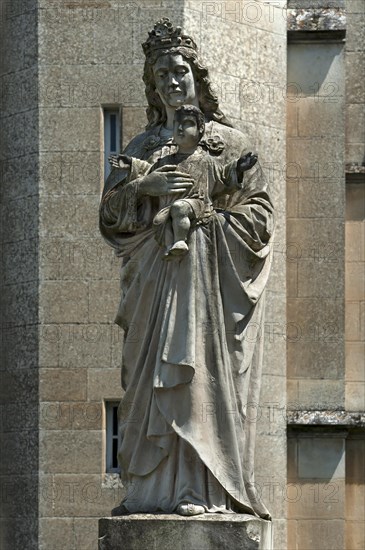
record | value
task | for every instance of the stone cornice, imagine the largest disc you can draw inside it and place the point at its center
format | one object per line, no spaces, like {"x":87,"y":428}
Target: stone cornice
{"x":326,"y":418}
{"x":312,"y":19}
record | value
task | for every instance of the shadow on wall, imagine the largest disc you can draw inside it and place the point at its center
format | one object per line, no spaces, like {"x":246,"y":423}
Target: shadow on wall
{"x":319,"y":70}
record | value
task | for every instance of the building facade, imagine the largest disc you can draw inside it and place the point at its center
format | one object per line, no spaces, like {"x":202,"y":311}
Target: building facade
{"x":290,"y":75}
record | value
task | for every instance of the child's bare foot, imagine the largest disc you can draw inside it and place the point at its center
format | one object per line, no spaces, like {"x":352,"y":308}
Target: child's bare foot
{"x":177,"y":250}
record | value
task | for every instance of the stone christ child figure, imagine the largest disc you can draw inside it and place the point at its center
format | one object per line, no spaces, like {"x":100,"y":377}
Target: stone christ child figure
{"x":196,"y":205}
{"x":184,"y":442}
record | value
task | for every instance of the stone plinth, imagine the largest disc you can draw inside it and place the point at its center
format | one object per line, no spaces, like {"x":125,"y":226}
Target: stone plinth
{"x":173,"y":532}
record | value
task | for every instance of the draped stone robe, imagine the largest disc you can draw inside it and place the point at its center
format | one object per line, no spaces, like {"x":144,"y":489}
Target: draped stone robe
{"x":192,"y":351}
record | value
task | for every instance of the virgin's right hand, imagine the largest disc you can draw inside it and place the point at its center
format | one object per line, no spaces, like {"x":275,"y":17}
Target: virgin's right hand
{"x":165,"y":181}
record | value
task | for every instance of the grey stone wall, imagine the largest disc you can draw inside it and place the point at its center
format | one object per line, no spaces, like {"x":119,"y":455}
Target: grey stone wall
{"x":62,"y":351}
{"x":355,"y":87}
{"x":84,"y":56}
{"x":61,"y":63}
{"x":355,"y":210}
{"x":355,"y":296}
{"x":355,"y":268}
{"x":316,"y":482}
{"x":316,"y":211}
{"x":315,"y":263}
{"x":325,"y":365}
{"x":19,"y":170}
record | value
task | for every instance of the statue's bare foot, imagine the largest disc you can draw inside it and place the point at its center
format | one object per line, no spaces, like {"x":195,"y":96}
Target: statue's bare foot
{"x":177,"y":250}
{"x":188,"y":509}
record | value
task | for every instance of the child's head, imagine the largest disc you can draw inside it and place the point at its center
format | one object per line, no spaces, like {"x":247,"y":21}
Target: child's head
{"x":189,"y":126}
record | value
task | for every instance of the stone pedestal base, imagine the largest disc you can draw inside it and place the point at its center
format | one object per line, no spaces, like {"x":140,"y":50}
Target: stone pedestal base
{"x":173,"y":532}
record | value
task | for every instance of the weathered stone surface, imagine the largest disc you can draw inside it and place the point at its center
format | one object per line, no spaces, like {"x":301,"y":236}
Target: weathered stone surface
{"x":315,"y":4}
{"x":172,"y":532}
{"x":355,"y":241}
{"x":355,"y":371}
{"x":355,"y":490}
{"x":59,"y":530}
{"x":19,"y":357}
{"x":17,"y":491}
{"x":318,"y":118}
{"x":322,"y":418}
{"x":25,"y":253}
{"x":77,"y":259}
{"x":86,"y":345}
{"x":355,"y":202}
{"x":274,"y":349}
{"x":71,"y":415}
{"x":61,"y":25}
{"x":271,"y":484}
{"x":316,"y":487}
{"x":292,"y":534}
{"x":20,"y":303}
{"x":355,"y":123}
{"x":69,"y":451}
{"x":21,"y":532}
{"x":86,"y":533}
{"x":271,"y":417}
{"x":320,"y":280}
{"x":331,"y":533}
{"x":314,"y":241}
{"x":134,"y":120}
{"x":64,"y":302}
{"x":19,"y":92}
{"x":355,"y":395}
{"x":71,"y":173}
{"x":317,"y":394}
{"x":59,"y":384}
{"x":103,"y":298}
{"x":308,"y":161}
{"x":317,"y":498}
{"x":104,"y":384}
{"x":292,"y":279}
{"x":68,"y":129}
{"x":82,"y":495}
{"x":355,"y":86}
{"x":320,"y":72}
{"x":19,"y":177}
{"x":61,"y":215}
{"x":321,"y":457}
{"x":353,"y":326}
{"x":316,"y":343}
{"x":220,"y":57}
{"x":355,"y":34}
{"x":22,"y":450}
{"x":355,"y":534}
{"x":355,"y":281}
{"x":317,"y":19}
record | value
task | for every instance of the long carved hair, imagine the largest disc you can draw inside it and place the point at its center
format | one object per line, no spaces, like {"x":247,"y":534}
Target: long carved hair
{"x":208,"y":100}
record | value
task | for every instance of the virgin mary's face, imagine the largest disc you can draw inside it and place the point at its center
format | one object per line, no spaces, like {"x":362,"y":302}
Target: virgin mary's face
{"x":175,"y":82}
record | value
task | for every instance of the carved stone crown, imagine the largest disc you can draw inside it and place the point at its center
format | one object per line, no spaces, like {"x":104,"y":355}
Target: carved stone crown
{"x":165,"y":36}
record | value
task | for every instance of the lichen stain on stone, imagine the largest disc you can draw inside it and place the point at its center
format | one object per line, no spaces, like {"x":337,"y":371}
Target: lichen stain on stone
{"x":316,"y":19}
{"x":326,"y":418}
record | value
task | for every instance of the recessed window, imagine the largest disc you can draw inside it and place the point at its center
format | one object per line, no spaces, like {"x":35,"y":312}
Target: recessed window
{"x":111,"y":409}
{"x":112,"y":125}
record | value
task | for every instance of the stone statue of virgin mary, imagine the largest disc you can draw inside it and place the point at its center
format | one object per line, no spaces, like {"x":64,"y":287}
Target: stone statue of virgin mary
{"x":189,"y":370}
